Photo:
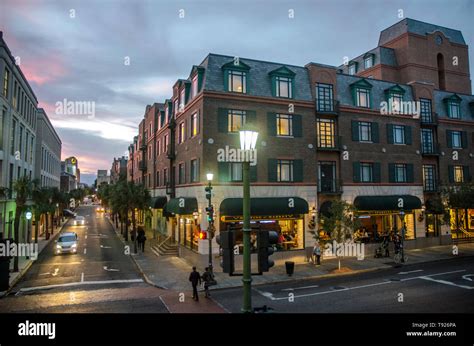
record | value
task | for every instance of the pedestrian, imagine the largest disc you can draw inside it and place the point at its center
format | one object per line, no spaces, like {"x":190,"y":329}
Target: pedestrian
{"x":195,"y":279}
{"x":207,"y":277}
{"x":317,"y":253}
{"x":141,"y":238}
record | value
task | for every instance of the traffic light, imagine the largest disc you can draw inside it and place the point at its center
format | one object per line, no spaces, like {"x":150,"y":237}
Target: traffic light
{"x":202,"y":235}
{"x":265,"y":242}
{"x":210,"y":213}
{"x":208,"y":190}
{"x":225,"y":239}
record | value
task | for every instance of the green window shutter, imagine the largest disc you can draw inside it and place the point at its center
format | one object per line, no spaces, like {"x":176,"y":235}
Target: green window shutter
{"x":449,"y":138}
{"x":297,"y":125}
{"x":223,"y":168}
{"x":200,"y":75}
{"x":297,"y":171}
{"x":410,"y":174}
{"x":272,"y":170}
{"x":356,"y":172}
{"x":253,"y":173}
{"x":273,"y":81}
{"x":355,"y":130}
{"x":464,"y":139}
{"x":390,"y":133}
{"x":376,"y":172}
{"x":375,"y":132}
{"x":451,"y":173}
{"x":226,"y":80}
{"x":465,"y":172}
{"x":408,"y":137}
{"x":292,"y":88}
{"x":251,"y":117}
{"x":223,"y":120}
{"x":271,"y":124}
{"x":391,"y":173}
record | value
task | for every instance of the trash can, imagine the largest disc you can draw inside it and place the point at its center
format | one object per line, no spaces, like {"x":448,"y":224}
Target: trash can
{"x":290,"y":267}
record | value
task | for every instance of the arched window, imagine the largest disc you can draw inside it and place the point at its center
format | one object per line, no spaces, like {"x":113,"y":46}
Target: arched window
{"x":441,"y":75}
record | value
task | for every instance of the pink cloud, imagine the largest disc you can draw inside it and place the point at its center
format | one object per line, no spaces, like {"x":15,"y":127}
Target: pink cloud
{"x":43,"y":69}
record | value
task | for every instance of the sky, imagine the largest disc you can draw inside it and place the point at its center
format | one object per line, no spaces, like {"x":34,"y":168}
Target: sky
{"x":117,"y":56}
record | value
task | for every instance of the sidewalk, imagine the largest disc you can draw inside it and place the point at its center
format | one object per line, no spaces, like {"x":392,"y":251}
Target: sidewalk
{"x":172,"y":272}
{"x":25,"y":264}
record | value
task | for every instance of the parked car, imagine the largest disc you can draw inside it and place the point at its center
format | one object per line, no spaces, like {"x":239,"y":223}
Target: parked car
{"x":66,"y":243}
{"x":79,"y":221}
{"x":100,"y":209}
{"x":69,"y":213}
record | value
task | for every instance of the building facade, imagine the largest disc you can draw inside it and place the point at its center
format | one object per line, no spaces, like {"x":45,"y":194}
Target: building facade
{"x":102,"y":177}
{"x":70,"y":174}
{"x":119,"y":169}
{"x":383,"y":132}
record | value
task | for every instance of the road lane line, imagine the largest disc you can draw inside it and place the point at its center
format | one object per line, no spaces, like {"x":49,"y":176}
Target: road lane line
{"x":56,"y":270}
{"x":446,"y":282}
{"x":299,"y":288}
{"x":411,"y":271}
{"x":72,"y":284}
{"x":418,"y":277}
{"x":45,"y":273}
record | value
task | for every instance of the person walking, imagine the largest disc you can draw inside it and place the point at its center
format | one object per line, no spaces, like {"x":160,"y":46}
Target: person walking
{"x":317,"y":253}
{"x":207,"y":277}
{"x":141,"y":238}
{"x":195,"y":279}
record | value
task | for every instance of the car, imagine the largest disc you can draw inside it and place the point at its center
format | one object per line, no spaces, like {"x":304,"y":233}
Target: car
{"x":100,"y":209}
{"x":79,"y":221}
{"x":69,"y":213}
{"x":66,"y":243}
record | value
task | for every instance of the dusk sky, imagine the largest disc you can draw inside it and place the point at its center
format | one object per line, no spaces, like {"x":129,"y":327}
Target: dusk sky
{"x":78,"y":51}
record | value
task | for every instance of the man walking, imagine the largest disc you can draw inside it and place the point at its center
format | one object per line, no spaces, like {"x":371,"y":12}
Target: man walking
{"x":195,"y":279}
{"x":207,"y":278}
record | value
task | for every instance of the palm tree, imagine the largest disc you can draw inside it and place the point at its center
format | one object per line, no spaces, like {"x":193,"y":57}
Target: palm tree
{"x":23,"y":187}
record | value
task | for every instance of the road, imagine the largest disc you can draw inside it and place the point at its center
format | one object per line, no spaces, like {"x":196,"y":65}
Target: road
{"x":99,"y":278}
{"x":434,"y":287}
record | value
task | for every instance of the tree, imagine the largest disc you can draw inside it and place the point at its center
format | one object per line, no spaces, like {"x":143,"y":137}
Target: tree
{"x":140,"y":197}
{"x":40,"y":204}
{"x":22,"y":187}
{"x":121,"y":201}
{"x":340,"y":223}
{"x":458,"y":197}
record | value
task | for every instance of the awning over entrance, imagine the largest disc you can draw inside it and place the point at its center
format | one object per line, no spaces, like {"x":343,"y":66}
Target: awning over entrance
{"x":182,"y":205}
{"x":325,"y":208}
{"x":158,"y":202}
{"x":408,"y":202}
{"x":265,"y":206}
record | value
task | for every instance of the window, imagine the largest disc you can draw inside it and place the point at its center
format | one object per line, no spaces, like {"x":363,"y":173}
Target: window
{"x":158,"y":152}
{"x":326,"y":133}
{"x":366,"y":172}
{"x":283,"y":87}
{"x":352,"y":69}
{"x":425,"y":111}
{"x":181,"y":174}
{"x":194,"y":171}
{"x":326,"y":176}
{"x":284,"y":125}
{"x":235,"y":171}
{"x":165,"y":144}
{"x":362,"y":98}
{"x":456,"y":138}
{"x":20,"y":140}
{"x":284,"y":170}
{"x":27,"y":141}
{"x":454,"y":110}
{"x":236,"y":120}
{"x":458,"y":174}
{"x":365,"y":131}
{"x":368,"y":62}
{"x":15,"y":95}
{"x":6,"y":81}
{"x":157,"y":178}
{"x":237,"y":81}
{"x":400,"y":173}
{"x":427,"y":146}
{"x":324,"y":98}
{"x":398,"y":134}
{"x":3,"y":116}
{"x":194,"y":125}
{"x":176,"y":109}
{"x":182,"y":101}
{"x":194,"y":86}
{"x":429,"y":183}
{"x":181,"y":133}
{"x":165,"y":176}
{"x":395,"y":102}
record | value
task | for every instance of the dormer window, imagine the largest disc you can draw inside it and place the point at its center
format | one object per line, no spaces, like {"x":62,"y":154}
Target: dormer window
{"x":283,"y":87}
{"x":282,"y":80}
{"x":453,"y":106}
{"x":194,"y":86}
{"x":237,"y":81}
{"x":352,"y":68}
{"x":361,"y":93}
{"x":368,"y":61}
{"x":182,"y":100}
{"x":394,"y":96}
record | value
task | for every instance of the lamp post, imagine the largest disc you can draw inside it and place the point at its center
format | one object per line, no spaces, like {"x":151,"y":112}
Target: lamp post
{"x":248,"y":140}
{"x":402,"y":219}
{"x":210,"y":227}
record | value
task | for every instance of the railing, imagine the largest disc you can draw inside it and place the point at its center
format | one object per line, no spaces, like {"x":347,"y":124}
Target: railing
{"x":330,"y":187}
{"x":429,"y":118}
{"x":336,"y":145}
{"x":434,"y":150}
{"x":325,"y":106}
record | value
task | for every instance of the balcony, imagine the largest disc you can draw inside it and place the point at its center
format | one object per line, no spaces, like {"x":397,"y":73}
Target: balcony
{"x":429,"y":119}
{"x":434,"y":150}
{"x":142,"y":165}
{"x":330,"y":187}
{"x":336,"y":144}
{"x":431,"y":187}
{"x":327,"y":106}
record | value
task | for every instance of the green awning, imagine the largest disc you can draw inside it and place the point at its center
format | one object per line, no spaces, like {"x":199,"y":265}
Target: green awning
{"x":182,"y":205}
{"x":265,"y":206}
{"x":158,"y":202}
{"x":387,"y":202}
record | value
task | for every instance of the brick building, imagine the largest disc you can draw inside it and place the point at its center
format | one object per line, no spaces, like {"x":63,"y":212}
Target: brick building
{"x":378,"y":132}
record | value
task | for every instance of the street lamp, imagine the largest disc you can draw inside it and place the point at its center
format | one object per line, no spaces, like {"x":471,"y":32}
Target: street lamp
{"x":402,"y":219}
{"x":248,"y":141}
{"x":210,"y":212}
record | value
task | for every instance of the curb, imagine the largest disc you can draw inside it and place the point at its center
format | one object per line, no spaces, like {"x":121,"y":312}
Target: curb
{"x":142,"y":273}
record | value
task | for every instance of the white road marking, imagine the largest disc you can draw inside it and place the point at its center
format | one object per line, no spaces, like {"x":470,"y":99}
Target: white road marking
{"x":419,"y":277}
{"x":412,"y":271}
{"x":71,"y":284}
{"x":85,"y":251}
{"x":446,"y":282}
{"x":110,"y":270}
{"x":299,"y":288}
{"x":82,"y":277}
{"x":105,"y":247}
{"x":85,"y":236}
{"x":56,"y":270}
{"x":466,"y":277}
{"x":155,"y":252}
{"x":45,"y":273}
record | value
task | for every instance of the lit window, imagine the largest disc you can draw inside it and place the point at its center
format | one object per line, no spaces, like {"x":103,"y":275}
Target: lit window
{"x":284,"y":170}
{"x":283,"y":87}
{"x":181,"y":133}
{"x":363,"y":98}
{"x":194,"y":125}
{"x":284,"y":125}
{"x":237,"y":81}
{"x":458,"y":174}
{"x":194,"y":86}
{"x":236,"y":120}
{"x":326,"y":133}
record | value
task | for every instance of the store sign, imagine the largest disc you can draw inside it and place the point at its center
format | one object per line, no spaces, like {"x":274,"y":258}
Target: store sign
{"x":261,"y":217}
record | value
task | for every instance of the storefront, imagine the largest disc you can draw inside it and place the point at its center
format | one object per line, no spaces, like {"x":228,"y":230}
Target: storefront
{"x":462,"y":219}
{"x":155,"y":221}
{"x":185,"y":227}
{"x":382,"y":215}
{"x":285,"y":215}
{"x":434,"y":212}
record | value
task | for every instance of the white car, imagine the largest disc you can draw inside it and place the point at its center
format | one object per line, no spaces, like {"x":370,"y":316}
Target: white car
{"x":79,"y":221}
{"x":66,"y":243}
